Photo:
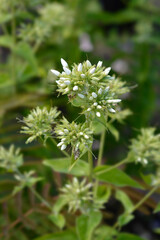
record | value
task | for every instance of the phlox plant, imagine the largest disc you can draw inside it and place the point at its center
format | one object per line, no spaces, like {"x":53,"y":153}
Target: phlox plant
{"x":98,"y":95}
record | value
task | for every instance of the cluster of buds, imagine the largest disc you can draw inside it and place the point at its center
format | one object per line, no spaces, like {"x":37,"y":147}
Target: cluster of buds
{"x":78,"y":195}
{"x":39,"y":123}
{"x":77,"y":135}
{"x":146,"y":148}
{"x":10,"y":159}
{"x":90,"y":87}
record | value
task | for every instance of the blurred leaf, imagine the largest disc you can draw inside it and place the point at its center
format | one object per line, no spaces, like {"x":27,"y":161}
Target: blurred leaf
{"x":115,"y":176}
{"x":113,"y":130}
{"x":105,"y":233}
{"x":59,"y":204}
{"x":124,"y":199}
{"x":128,"y":236}
{"x":103,"y":193}
{"x":81,"y":168}
{"x":85,"y":225}
{"x":65,"y":235}
{"x":58,"y":220}
{"x":157,"y":209}
{"x":124,"y":219}
{"x":7,"y":41}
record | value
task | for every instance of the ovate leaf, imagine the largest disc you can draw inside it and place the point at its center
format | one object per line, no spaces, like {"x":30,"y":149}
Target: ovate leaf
{"x":58,"y":220}
{"x":81,"y":168}
{"x":115,"y":176}
{"x":85,"y":225}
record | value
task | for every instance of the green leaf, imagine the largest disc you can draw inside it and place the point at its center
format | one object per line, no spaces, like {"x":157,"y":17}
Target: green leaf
{"x":58,"y":220}
{"x":103,"y":193}
{"x":59,"y":204}
{"x":124,"y":199}
{"x":157,"y":209}
{"x":7,"y":41}
{"x":65,"y":235}
{"x":85,"y":225}
{"x":81,"y":168}
{"x":115,"y":176}
{"x":113,"y":130}
{"x":105,"y":233}
{"x":124,"y":219}
{"x":128,"y":236}
{"x":24,"y":50}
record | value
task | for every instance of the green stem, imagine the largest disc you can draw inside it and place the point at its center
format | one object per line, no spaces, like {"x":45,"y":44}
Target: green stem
{"x":40,"y":198}
{"x":112,"y":167}
{"x":100,"y":155}
{"x":145,"y":198}
{"x":116,"y":225}
{"x":13,"y":29}
{"x":90,"y":161}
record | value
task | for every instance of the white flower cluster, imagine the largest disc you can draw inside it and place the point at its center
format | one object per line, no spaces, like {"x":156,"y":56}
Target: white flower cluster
{"x":10,"y":158}
{"x":146,"y":148}
{"x":78,"y":135}
{"x":78,"y":195}
{"x":90,"y":87}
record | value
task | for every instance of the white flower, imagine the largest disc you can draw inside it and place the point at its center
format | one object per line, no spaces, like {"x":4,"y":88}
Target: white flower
{"x":64,"y":63}
{"x":107,"y":70}
{"x":55,"y":72}
{"x":63,"y":147}
{"x":88,"y":63}
{"x":94,"y":94}
{"x":83,"y":75}
{"x":75,"y":88}
{"x":99,"y":64}
{"x":67,"y":71}
{"x":98,"y":114}
{"x":80,"y":67}
{"x":113,"y":100}
{"x":92,"y":70}
{"x":100,"y":91}
{"x":86,"y":137}
{"x":99,"y":107}
{"x":112,"y":110}
{"x":80,"y":95}
{"x":67,"y":82}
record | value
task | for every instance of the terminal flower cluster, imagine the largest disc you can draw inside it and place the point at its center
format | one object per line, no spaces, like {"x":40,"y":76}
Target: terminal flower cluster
{"x":78,"y":195}
{"x":146,"y":148}
{"x":90,"y":87}
{"x":79,"y":136}
{"x":11,"y":158}
{"x":39,"y":123}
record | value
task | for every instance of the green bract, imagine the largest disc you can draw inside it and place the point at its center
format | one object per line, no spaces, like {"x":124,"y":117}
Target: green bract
{"x":39,"y":123}
{"x":10,"y":159}
{"x":90,"y":87}
{"x":146,"y":148}
{"x":78,"y":135}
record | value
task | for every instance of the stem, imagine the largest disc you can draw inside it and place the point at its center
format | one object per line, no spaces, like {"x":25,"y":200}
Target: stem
{"x":101,"y":148}
{"x":145,"y":198}
{"x":112,"y":167}
{"x":13,"y":29}
{"x":102,"y":141}
{"x":139,"y":204}
{"x":90,"y":161}
{"x":41,"y":198}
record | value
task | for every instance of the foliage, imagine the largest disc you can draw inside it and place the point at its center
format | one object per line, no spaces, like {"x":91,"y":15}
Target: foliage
{"x":69,"y":197}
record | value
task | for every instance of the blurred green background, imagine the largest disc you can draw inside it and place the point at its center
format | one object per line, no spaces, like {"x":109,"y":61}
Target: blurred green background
{"x":34,"y":35}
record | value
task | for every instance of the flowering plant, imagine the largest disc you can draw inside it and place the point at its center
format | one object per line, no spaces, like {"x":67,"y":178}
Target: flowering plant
{"x":98,"y":95}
